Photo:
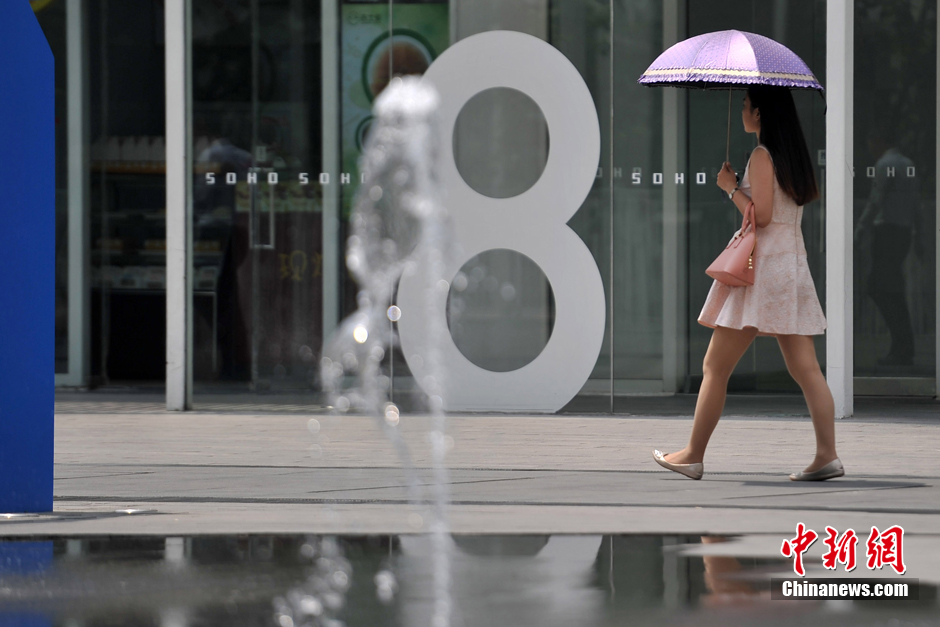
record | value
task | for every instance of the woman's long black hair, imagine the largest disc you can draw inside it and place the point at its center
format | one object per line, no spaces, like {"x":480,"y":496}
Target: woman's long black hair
{"x":781,"y":133}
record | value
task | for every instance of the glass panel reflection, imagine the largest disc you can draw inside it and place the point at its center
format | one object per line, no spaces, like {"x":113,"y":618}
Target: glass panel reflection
{"x":638,"y":195}
{"x":257,"y":195}
{"x":895,"y":198}
{"x":128,"y":191}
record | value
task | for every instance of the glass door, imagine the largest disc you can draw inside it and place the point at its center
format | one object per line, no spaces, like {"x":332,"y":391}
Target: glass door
{"x":282,"y":106}
{"x":257,"y":240}
{"x":895,"y":198}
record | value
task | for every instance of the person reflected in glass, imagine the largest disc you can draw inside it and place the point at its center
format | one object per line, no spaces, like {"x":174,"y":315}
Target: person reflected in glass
{"x":215,"y":207}
{"x":889,"y":218}
{"x":782,"y":301}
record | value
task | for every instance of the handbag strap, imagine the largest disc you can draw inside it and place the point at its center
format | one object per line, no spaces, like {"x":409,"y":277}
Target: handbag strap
{"x":747,"y":220}
{"x":748,"y":216}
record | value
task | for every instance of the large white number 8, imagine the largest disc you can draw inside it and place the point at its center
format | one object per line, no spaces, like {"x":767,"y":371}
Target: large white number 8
{"x":533,"y":223}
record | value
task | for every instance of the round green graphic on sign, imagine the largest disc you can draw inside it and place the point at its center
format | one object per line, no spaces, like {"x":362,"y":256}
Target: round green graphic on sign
{"x":408,"y":51}
{"x":362,"y":129}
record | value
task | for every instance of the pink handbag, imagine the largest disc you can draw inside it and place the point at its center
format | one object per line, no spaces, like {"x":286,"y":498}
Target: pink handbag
{"x":735,"y":264}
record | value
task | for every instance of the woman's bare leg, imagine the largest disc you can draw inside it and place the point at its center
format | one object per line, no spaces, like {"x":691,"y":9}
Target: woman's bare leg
{"x":800,"y":355}
{"x":724,"y":351}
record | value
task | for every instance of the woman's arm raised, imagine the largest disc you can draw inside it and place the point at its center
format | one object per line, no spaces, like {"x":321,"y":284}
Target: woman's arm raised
{"x":761,"y":176}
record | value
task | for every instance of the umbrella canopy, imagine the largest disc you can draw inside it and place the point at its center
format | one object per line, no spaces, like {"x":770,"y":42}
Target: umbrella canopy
{"x":729,"y":59}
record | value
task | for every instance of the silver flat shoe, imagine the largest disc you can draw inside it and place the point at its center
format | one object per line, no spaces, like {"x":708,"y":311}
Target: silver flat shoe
{"x":693,"y":471}
{"x":829,"y":471}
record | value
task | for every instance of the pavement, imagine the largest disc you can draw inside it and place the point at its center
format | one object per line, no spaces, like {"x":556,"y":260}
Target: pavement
{"x":125,"y":466}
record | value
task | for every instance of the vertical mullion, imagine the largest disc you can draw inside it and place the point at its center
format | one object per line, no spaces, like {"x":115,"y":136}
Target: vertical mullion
{"x":330,"y":132}
{"x":610,"y":176}
{"x":79,"y":327}
{"x":839,"y":214}
{"x":179,"y":213}
{"x":674,"y":223}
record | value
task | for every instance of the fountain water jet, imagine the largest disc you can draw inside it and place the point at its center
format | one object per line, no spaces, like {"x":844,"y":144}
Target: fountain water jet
{"x":399,"y":225}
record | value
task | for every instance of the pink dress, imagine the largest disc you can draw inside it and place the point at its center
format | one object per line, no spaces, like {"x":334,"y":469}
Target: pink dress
{"x":783,"y":299}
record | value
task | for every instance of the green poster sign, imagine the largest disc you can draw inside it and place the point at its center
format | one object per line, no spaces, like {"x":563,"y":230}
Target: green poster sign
{"x":372,"y":55}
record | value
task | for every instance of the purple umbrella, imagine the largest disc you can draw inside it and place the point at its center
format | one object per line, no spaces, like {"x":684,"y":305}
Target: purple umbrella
{"x":729,"y":59}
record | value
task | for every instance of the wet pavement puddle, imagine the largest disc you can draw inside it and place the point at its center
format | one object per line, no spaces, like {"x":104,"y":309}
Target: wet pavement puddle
{"x":374,"y":581}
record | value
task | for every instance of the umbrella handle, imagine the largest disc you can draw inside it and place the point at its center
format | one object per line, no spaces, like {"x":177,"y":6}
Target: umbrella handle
{"x":728,"y":142}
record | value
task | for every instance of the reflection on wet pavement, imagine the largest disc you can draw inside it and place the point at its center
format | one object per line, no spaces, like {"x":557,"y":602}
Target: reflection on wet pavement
{"x":294,"y":581}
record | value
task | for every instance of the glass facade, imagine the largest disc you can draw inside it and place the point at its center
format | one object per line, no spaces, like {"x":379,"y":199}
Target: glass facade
{"x":127,"y":163}
{"x":282,"y":94}
{"x":258,"y":247}
{"x":895,"y":194}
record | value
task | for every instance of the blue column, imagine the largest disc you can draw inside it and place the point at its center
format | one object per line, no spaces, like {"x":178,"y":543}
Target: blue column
{"x":27,"y":261}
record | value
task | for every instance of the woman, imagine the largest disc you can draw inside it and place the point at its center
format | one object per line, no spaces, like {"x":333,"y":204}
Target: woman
{"x":782,"y":301}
